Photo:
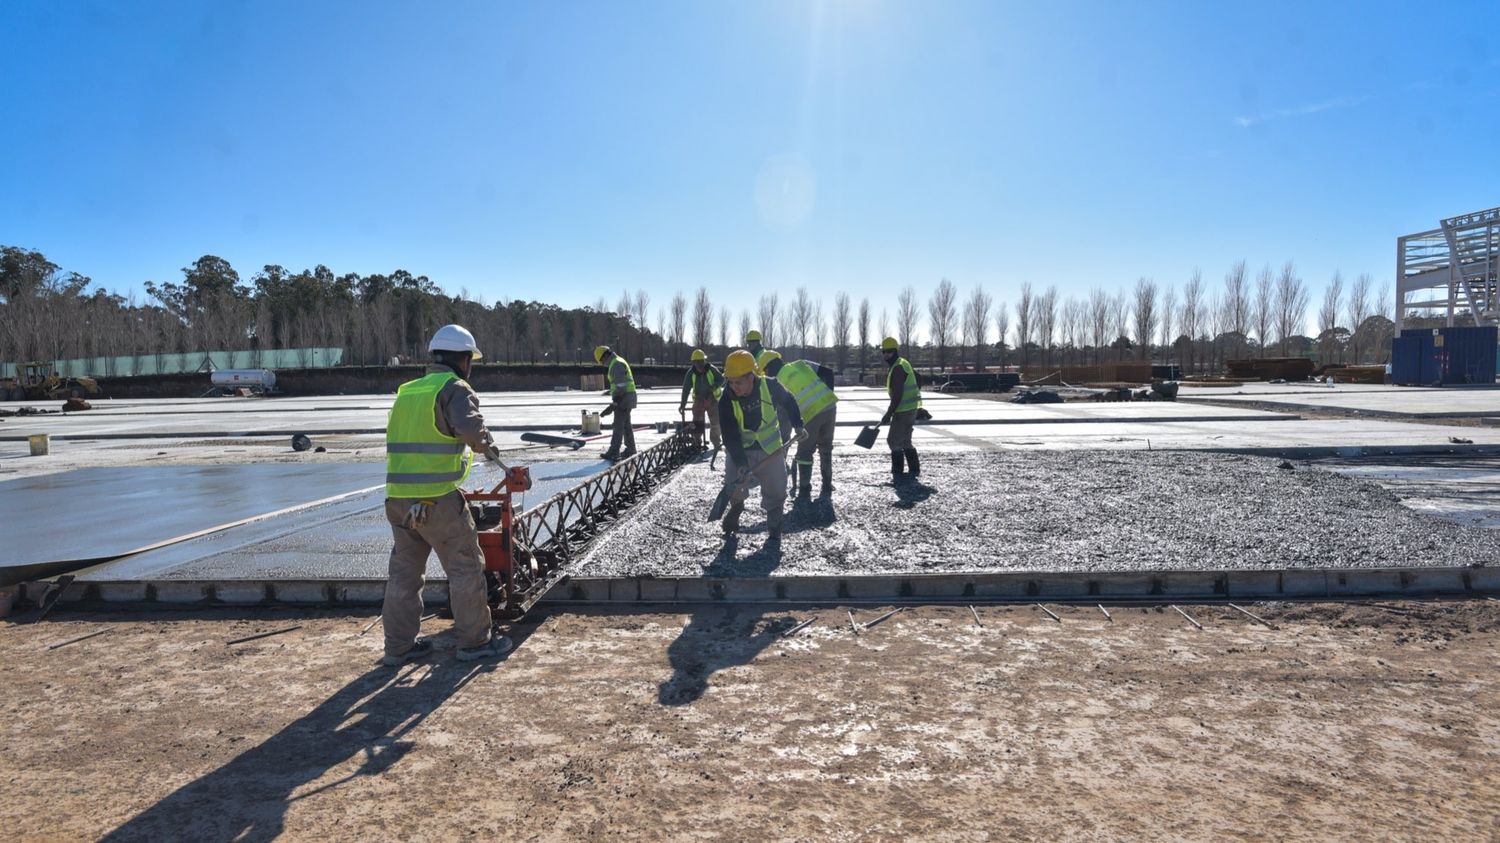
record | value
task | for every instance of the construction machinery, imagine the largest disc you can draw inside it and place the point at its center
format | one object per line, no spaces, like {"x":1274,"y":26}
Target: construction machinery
{"x":37,"y":381}
{"x":527,"y":553}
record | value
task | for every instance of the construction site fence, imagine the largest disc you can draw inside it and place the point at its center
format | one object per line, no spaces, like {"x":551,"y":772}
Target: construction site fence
{"x":190,"y":361}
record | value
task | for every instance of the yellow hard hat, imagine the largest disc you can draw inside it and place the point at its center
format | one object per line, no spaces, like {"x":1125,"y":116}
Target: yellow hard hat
{"x":753,"y":336}
{"x":600,"y":352}
{"x":699,"y":355}
{"x":889,"y":344}
{"x":739,"y":363}
{"x":767,"y":355}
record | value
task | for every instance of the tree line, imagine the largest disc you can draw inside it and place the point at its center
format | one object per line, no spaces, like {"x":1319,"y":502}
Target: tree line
{"x":48,"y":313}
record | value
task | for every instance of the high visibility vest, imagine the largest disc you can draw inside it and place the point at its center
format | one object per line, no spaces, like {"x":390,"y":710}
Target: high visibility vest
{"x":911,"y":396}
{"x":711,"y":375}
{"x":768,"y":437}
{"x":628,"y":384}
{"x":420,"y":462}
{"x":802,"y":381}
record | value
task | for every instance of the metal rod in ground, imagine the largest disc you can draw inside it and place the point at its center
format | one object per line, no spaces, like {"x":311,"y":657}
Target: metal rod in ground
{"x":1252,"y":616}
{"x":1107,"y":616}
{"x":976,"y":617}
{"x":1188,"y":616}
{"x":795,"y":629}
{"x":1049,"y":611}
{"x":369,"y":626}
{"x":884,"y":616}
{"x":262,"y":635}
{"x":79,"y":638}
{"x":852,"y":623}
{"x":429,"y":617}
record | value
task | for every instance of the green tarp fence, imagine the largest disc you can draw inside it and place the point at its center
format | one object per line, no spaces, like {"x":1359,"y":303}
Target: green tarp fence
{"x":192,"y":361}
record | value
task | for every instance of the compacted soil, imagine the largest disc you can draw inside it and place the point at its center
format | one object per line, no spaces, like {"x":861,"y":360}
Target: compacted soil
{"x":1343,"y":722}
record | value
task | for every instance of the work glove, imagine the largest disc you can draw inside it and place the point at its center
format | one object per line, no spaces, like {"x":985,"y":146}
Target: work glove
{"x":886,"y":419}
{"x":681,"y":409}
{"x":417,"y":515}
{"x":799,"y":433}
{"x":606,"y":411}
{"x":492,"y":454}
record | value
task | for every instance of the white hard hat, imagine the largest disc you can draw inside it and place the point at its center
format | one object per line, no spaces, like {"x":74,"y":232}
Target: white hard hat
{"x":454,"y":338}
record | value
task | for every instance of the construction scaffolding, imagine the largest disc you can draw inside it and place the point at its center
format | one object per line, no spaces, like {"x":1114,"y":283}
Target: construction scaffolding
{"x":1453,"y":269}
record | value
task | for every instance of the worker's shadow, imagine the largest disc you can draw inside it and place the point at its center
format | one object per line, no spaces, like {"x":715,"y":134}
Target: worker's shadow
{"x":912,"y":492}
{"x":715,"y":639}
{"x":759,"y":562}
{"x":370,"y":721}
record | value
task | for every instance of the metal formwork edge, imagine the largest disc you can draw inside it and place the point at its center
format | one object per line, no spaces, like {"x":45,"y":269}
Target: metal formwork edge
{"x":1080,"y":586}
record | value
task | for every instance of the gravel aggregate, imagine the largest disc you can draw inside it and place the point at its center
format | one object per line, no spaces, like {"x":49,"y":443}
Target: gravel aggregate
{"x":1045,"y":511}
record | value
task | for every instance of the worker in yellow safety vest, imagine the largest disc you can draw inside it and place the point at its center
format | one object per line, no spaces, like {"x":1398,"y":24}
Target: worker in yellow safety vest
{"x":432,"y":428}
{"x":621,"y":384}
{"x":811,"y":385}
{"x":757,"y":416}
{"x":704,"y":384}
{"x":906,"y":400}
{"x":754,"y":345}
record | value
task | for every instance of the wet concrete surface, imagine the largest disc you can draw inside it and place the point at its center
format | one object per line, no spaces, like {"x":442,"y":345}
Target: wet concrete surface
{"x":347,"y":539}
{"x":94,"y":513}
{"x":1046,"y":511}
{"x":1463,"y":489}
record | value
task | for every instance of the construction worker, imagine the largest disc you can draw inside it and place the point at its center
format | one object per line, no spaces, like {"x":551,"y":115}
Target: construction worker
{"x":704,"y":384}
{"x":811,"y":385}
{"x":757,"y":417}
{"x":432,"y":427}
{"x":621,"y":384}
{"x":757,"y":351}
{"x":906,"y":400}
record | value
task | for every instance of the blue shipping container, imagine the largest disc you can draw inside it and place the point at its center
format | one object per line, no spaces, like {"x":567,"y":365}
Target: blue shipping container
{"x":1415,"y":359}
{"x":1468,"y":354}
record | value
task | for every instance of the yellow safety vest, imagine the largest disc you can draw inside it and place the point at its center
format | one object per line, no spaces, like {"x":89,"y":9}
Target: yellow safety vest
{"x":420,"y":462}
{"x":711,"y":376}
{"x":629,"y":383}
{"x":911,"y":395}
{"x":768,"y":437}
{"x":802,"y":381}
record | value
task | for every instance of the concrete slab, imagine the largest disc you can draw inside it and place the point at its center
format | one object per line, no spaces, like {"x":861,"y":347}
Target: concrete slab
{"x":1379,"y":401}
{"x":346,"y":539}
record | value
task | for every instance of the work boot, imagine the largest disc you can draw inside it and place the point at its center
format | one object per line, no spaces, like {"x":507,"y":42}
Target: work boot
{"x":731,"y":522}
{"x":773,"y":528}
{"x":827,"y":478}
{"x":898,"y":465}
{"x":913,"y":464}
{"x":422,"y":647}
{"x":610,"y":456}
{"x":630,"y":452}
{"x":499,"y":645}
{"x":804,"y":482}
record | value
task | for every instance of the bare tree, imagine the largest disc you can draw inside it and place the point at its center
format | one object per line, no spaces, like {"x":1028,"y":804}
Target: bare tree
{"x":1023,"y":321}
{"x":1145,"y":315}
{"x":703,"y":319}
{"x":1002,"y":329}
{"x":1236,"y":300}
{"x":1263,"y":305}
{"x":800,"y":318}
{"x":1099,"y":303}
{"x":941,"y":313}
{"x":1168,"y":313}
{"x":1291,"y":305}
{"x":744,"y":326}
{"x":906,"y":318}
{"x":977,"y":323}
{"x":1045,"y":313}
{"x":885,"y":325}
{"x":819,"y":327}
{"x":661,"y":329}
{"x":1328,"y":315}
{"x":1359,"y":309}
{"x":642,"y":311}
{"x":624,"y":307}
{"x":768,"y":308}
{"x":1192,"y":309}
{"x":724,"y":327}
{"x":864,"y":333}
{"x":841,"y":319}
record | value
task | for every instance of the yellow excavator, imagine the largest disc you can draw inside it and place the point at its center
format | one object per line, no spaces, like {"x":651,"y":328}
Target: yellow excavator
{"x":38,"y":381}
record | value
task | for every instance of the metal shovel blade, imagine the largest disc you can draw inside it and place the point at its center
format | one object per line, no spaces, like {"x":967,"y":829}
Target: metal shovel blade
{"x":867,"y":437}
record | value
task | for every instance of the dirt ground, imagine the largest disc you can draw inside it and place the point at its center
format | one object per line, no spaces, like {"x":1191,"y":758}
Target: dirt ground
{"x":1343,"y":722}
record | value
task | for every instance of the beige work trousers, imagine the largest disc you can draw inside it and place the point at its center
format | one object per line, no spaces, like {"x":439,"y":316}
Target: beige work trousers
{"x":450,"y":531}
{"x":899,"y":437}
{"x":771,"y":472}
{"x":707,"y":406}
{"x":820,"y":439}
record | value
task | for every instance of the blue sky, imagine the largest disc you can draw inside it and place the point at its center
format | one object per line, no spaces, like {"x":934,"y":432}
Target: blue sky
{"x":566,"y":150}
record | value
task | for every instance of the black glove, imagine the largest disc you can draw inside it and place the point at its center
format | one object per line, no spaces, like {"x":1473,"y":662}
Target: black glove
{"x":886,"y":419}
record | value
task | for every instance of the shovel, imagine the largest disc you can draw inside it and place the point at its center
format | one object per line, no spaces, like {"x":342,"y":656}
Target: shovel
{"x":867,"y":436}
{"x":721,"y":502}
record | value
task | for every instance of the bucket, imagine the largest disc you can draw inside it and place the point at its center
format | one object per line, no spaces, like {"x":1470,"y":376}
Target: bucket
{"x":867,"y":436}
{"x":589,"y":425}
{"x":39,"y":442}
{"x":661,"y":427}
